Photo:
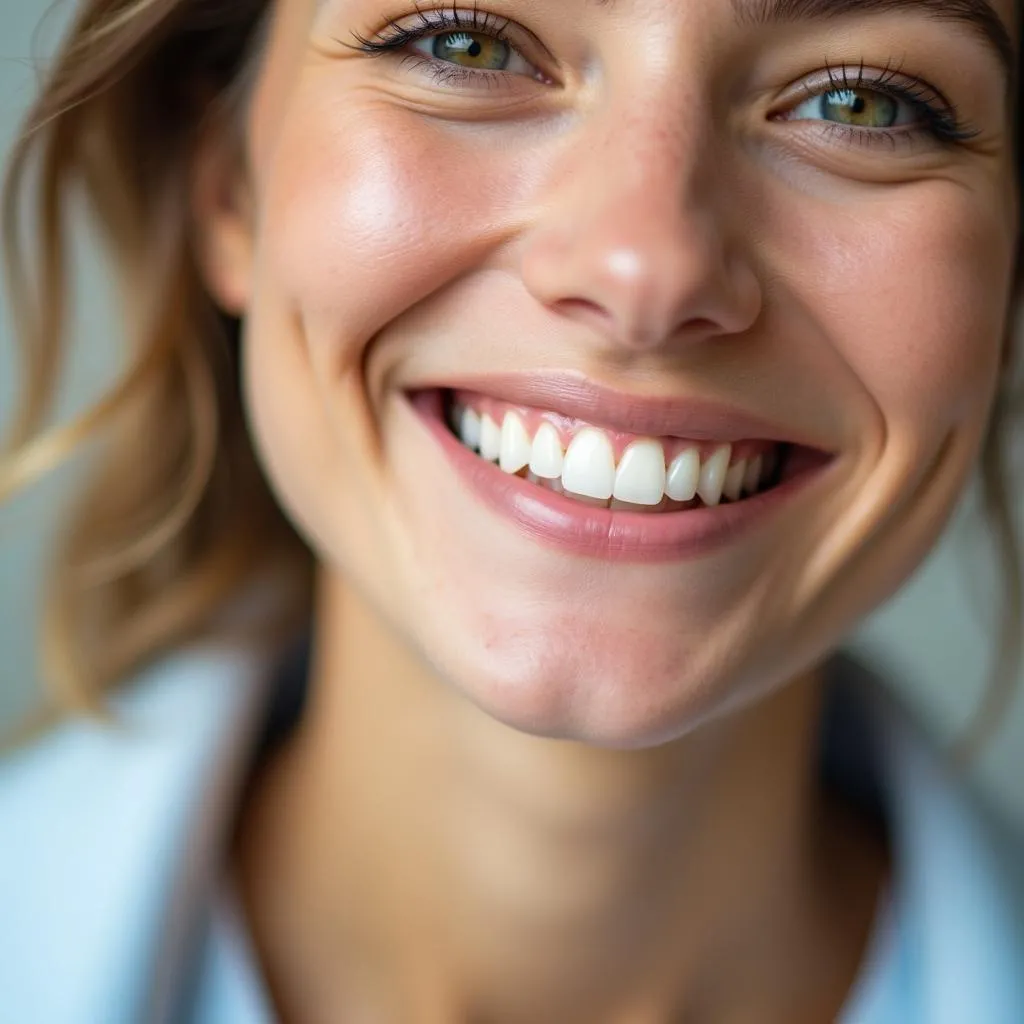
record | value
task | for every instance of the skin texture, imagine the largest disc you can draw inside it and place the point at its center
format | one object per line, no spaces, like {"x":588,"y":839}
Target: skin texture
{"x":531,"y":786}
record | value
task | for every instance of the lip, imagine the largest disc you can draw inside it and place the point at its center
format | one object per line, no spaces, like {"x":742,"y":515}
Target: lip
{"x":573,"y":395}
{"x":606,"y":534}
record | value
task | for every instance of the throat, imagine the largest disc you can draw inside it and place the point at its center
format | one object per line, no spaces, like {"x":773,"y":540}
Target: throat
{"x":410,"y":859}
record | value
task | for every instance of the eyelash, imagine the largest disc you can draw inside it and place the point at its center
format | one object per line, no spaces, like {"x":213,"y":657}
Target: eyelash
{"x":395,"y":37}
{"x":940,"y":119}
{"x":939,"y":116}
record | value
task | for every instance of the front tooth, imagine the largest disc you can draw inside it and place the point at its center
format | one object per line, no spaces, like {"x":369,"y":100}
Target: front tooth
{"x":683,"y":476}
{"x":515,"y":444}
{"x":490,"y":439}
{"x":640,"y":478}
{"x":546,"y":456}
{"x":469,"y":428}
{"x":733,"y":486}
{"x":589,"y":467}
{"x":712,"y":475}
{"x":752,"y":479}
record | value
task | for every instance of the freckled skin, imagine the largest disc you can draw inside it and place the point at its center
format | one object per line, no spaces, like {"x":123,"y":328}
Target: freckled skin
{"x":650,"y":221}
{"x":394,"y":245}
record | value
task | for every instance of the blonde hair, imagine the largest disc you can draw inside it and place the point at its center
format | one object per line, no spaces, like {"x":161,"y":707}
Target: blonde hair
{"x":177,"y":517}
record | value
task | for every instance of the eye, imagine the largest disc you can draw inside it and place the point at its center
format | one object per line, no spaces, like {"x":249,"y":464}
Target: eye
{"x":460,"y":47}
{"x":858,"y":108}
{"x":476,"y":51}
{"x":857,"y":105}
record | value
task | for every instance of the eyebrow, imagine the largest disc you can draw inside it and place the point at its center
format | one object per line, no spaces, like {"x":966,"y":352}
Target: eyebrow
{"x":977,"y":14}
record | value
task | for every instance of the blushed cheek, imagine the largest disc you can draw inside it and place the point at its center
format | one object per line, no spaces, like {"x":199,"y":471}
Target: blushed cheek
{"x":370,"y":208}
{"x":364,"y":210}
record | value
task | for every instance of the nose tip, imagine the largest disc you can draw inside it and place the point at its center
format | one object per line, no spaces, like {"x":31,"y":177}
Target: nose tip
{"x":657,"y":288}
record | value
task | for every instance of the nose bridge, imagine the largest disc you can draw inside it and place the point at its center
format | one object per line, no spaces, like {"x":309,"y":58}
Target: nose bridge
{"x":662,"y":144}
{"x":665,"y":205}
{"x":643,"y":168}
{"x":633,"y":238}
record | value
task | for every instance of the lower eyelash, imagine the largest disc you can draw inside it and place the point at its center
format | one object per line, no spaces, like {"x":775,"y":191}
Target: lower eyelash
{"x":851,"y":134}
{"x":934,"y":126}
{"x":444,"y":73}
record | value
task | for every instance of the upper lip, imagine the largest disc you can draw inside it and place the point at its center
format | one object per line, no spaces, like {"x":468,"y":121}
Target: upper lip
{"x":683,"y":416}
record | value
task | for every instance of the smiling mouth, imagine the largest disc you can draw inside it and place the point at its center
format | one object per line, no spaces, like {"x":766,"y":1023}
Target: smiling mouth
{"x":611,"y":469}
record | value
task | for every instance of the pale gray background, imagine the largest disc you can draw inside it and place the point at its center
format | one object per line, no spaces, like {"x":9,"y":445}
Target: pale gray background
{"x":932,"y":638}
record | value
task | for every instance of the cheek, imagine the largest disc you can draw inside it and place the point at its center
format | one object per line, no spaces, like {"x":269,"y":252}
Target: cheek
{"x":370,"y":208}
{"x":364,"y":210}
{"x":912,"y":297}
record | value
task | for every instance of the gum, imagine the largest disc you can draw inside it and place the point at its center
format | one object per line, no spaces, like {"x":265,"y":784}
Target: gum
{"x":568,"y":427}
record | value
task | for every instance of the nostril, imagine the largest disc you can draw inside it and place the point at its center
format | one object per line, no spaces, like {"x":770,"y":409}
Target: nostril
{"x":640,"y":332}
{"x":582,"y":307}
{"x":701,"y":325}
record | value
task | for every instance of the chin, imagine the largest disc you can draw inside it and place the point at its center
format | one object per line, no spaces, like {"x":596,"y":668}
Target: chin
{"x":611,"y":694}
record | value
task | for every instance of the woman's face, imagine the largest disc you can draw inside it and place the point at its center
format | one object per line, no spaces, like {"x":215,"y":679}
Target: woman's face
{"x":648,"y":229}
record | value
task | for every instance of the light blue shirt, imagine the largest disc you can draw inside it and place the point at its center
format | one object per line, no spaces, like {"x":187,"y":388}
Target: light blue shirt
{"x":114,"y":909}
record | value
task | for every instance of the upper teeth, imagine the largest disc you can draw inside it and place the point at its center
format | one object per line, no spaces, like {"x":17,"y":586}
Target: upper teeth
{"x":588,"y":466}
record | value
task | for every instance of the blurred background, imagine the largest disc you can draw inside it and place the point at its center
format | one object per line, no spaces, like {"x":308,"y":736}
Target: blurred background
{"x":934,"y":640}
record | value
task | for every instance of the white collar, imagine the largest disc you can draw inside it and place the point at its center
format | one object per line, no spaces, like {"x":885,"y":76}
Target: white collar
{"x":110,"y":866}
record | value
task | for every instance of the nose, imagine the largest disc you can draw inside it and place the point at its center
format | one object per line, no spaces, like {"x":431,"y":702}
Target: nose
{"x":630,"y":241}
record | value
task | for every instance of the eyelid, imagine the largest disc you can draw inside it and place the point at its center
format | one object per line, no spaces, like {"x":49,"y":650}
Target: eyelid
{"x":889,"y":80}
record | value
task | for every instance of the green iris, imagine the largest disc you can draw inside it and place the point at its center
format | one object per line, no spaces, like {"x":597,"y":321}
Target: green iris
{"x":864,"y":108}
{"x":472,"y":50}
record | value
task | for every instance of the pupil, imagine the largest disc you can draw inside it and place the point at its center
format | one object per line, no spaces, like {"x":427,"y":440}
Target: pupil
{"x":470,"y":49}
{"x":865,"y":108}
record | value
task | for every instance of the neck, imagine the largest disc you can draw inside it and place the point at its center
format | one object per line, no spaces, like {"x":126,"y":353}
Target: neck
{"x":408,"y":858}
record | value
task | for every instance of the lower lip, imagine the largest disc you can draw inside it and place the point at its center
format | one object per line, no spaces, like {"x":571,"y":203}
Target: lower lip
{"x":605,"y":534}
